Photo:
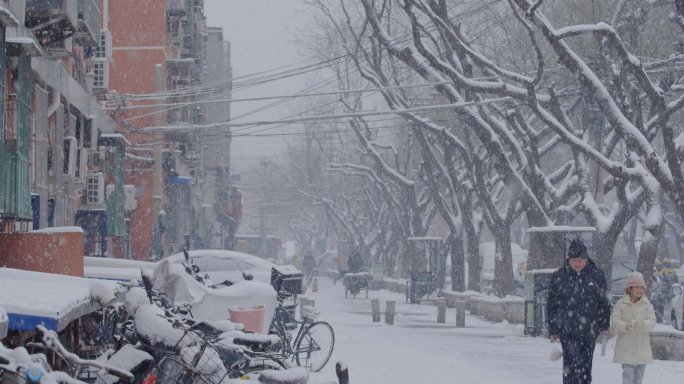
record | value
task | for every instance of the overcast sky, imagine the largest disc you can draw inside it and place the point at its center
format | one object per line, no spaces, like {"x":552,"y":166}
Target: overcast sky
{"x":261,"y":40}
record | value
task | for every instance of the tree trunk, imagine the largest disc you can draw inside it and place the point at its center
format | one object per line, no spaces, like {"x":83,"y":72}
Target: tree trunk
{"x":606,"y":248}
{"x":649,"y":242}
{"x":457,"y":263}
{"x":545,"y":251}
{"x":504,"y":284}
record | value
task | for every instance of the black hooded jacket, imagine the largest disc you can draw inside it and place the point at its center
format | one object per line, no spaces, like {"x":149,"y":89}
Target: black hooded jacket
{"x":577,"y":304}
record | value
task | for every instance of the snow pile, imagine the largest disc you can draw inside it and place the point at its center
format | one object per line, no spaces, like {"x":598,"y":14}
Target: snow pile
{"x":229,"y":337}
{"x":128,"y":359}
{"x":212,"y":304}
{"x":494,"y":299}
{"x":135,"y":298}
{"x":209,"y":363}
{"x":154,"y":329}
{"x":296,"y":375}
{"x":224,"y":325}
{"x":101,"y":293}
{"x":662,"y":328}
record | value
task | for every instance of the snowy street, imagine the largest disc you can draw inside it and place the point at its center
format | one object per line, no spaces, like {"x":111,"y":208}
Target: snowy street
{"x":418,"y":350}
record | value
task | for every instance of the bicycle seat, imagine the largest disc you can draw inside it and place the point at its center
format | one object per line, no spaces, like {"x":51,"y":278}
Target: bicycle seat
{"x":206,"y":328}
{"x":296,"y":375}
{"x":228,"y":352}
{"x":254,"y":341}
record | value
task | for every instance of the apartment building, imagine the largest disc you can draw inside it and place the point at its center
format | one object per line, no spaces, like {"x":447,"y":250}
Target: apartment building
{"x":80,"y":172}
{"x":165,"y":42}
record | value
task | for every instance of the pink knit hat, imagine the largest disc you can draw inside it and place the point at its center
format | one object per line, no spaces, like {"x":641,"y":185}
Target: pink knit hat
{"x":634,"y":279}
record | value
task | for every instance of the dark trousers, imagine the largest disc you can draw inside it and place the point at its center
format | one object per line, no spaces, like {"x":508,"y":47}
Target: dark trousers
{"x":578,"y":355}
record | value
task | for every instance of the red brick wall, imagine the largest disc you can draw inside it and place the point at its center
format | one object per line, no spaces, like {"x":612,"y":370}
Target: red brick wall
{"x":49,"y":252}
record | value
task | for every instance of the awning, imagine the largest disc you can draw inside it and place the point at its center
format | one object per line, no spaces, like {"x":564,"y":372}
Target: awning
{"x":35,"y":298}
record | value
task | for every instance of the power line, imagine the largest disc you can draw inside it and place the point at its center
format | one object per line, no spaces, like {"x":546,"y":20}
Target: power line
{"x":175,"y":128}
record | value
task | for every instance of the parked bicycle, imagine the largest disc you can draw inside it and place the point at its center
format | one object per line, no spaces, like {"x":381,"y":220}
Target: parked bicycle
{"x":314,"y":342}
{"x":19,"y":367}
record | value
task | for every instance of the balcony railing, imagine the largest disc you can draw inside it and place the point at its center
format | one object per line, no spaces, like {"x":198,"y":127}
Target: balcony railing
{"x":88,"y":23}
{"x":52,"y":21}
{"x":175,"y":7}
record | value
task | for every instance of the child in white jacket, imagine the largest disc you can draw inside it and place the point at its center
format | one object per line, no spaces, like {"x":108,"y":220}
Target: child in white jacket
{"x":633,"y":317}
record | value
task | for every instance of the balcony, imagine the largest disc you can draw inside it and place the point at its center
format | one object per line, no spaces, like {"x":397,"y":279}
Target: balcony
{"x":175,"y":8}
{"x":17,"y":12}
{"x":88,"y":33}
{"x":52,"y":21}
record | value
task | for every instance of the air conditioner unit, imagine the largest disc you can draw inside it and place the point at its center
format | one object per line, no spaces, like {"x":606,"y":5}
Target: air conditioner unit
{"x":104,"y":47}
{"x":70,"y":151}
{"x":95,"y":188}
{"x":101,"y":71}
{"x":82,"y":166}
{"x":61,"y":49}
{"x":130,"y":203}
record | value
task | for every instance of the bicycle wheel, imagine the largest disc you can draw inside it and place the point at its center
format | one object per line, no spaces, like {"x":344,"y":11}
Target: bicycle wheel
{"x":280,"y":347}
{"x":314,"y":348}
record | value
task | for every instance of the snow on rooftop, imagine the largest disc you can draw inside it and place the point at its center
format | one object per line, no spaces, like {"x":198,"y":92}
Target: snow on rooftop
{"x":32,"y":298}
{"x":118,"y":274}
{"x":53,"y":230}
{"x":117,"y":263}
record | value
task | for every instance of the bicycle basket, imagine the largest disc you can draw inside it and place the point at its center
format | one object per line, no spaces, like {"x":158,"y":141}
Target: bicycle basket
{"x":197,"y":364}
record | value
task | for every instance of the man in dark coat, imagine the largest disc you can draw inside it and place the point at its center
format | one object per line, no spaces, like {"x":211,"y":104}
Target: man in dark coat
{"x":309,"y":264}
{"x":578,"y":310}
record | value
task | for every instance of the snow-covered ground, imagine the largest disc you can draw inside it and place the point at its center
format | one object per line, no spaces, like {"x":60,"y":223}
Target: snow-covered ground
{"x":418,"y":350}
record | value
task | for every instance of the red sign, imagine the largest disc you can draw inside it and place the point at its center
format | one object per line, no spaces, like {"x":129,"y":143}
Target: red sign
{"x":150,"y":379}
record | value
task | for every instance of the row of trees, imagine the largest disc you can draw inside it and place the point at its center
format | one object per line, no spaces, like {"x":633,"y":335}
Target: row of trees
{"x":506,"y":114}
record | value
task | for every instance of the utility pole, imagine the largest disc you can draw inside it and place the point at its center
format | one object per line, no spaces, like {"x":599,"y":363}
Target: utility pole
{"x":262,"y":217}
{"x":157,"y":154}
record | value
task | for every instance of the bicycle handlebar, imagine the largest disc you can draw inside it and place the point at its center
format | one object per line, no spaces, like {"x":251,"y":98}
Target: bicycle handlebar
{"x":51,"y":341}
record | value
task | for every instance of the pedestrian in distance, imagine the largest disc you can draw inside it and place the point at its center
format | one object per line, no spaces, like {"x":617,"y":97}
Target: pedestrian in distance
{"x":309,"y":264}
{"x":578,"y":311}
{"x":633,"y":317}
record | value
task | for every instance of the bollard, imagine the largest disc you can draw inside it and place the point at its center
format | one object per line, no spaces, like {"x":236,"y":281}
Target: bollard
{"x":460,"y":314}
{"x":441,"y":311}
{"x":375,"y":308}
{"x":389,"y":312}
{"x":315,"y":286}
